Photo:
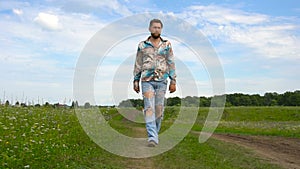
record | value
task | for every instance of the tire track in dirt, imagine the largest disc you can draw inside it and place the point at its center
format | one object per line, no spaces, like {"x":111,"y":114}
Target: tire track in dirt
{"x":278,"y":150}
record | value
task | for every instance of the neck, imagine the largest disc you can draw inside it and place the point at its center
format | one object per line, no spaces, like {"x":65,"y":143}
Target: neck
{"x":153,"y":40}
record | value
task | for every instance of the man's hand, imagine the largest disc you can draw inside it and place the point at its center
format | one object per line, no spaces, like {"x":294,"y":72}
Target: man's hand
{"x":172,"y":88}
{"x":136,"y":86}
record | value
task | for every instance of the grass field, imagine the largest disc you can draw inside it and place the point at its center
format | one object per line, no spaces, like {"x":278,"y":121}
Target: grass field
{"x":39,"y":137}
{"x":275,"y":121}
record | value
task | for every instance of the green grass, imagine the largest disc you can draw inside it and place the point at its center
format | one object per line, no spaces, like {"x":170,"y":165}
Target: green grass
{"x":47,"y":138}
{"x":274,"y":121}
{"x":38,"y":137}
{"x":253,"y":114}
{"x":211,"y":155}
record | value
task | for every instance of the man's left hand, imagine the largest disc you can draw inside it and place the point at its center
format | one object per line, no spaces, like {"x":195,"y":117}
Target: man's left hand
{"x":172,"y":88}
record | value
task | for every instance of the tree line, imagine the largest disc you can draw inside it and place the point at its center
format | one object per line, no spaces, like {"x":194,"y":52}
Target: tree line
{"x":236,"y":99}
{"x":74,"y":104}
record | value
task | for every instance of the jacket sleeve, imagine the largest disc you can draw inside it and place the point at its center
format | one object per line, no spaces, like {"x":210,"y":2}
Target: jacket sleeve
{"x":171,"y":63}
{"x":138,"y":65}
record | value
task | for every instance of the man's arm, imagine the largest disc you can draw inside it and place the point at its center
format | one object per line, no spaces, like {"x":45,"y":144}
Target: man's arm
{"x":171,"y":65}
{"x":137,"y":70}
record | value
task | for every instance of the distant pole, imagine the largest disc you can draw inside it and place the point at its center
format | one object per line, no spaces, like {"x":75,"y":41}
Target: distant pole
{"x":23,"y":97}
{"x":4,"y":96}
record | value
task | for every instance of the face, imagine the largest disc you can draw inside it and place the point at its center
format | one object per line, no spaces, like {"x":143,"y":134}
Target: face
{"x":155,"y":30}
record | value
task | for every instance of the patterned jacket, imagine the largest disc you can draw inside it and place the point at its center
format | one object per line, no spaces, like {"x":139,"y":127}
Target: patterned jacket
{"x":154,"y":63}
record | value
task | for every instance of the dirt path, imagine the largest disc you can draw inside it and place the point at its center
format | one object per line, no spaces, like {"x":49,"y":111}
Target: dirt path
{"x":140,"y":163}
{"x":279,"y":150}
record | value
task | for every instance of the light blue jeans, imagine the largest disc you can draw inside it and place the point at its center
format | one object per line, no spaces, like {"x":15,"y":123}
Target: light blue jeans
{"x":153,"y":96}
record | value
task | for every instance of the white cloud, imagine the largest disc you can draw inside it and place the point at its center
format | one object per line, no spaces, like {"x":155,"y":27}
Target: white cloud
{"x":260,"y":85}
{"x":48,"y":21}
{"x":271,"y":41}
{"x":103,"y":7}
{"x":113,"y":5}
{"x":267,"y":36}
{"x":17,"y":11}
{"x":117,"y":7}
{"x":220,"y":15}
{"x":31,"y":54}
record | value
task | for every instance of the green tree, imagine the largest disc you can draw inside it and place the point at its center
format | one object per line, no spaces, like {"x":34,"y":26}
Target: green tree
{"x":87,"y":105}
{"x":7,"y":103}
{"x":270,"y":99}
{"x":125,"y":103}
{"x":191,"y":101}
{"x":204,"y":102}
{"x":174,"y":101}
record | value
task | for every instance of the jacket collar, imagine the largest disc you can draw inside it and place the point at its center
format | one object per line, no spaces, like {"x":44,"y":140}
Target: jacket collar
{"x":148,"y":40}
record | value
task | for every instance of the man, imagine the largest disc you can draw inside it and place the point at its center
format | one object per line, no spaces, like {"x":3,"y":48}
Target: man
{"x":154,"y":64}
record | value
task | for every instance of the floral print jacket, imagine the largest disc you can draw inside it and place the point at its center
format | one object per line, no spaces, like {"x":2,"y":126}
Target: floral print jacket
{"x":154,"y":63}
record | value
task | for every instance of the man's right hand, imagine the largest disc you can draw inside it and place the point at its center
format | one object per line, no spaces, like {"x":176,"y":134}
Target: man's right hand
{"x":136,"y":86}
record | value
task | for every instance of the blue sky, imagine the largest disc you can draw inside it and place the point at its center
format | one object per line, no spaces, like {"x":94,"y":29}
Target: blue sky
{"x":257,"y":43}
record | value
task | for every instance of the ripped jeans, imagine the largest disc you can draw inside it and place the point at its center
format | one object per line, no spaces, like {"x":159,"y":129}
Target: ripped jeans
{"x":153,"y":96}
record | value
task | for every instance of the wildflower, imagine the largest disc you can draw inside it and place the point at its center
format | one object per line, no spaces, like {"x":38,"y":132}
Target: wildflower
{"x":26,"y":166}
{"x":12,"y":118}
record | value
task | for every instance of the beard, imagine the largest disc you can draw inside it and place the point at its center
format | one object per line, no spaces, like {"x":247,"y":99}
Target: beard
{"x":155,"y":36}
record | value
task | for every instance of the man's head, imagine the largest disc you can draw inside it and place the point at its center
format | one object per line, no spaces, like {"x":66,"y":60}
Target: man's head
{"x":155,"y":28}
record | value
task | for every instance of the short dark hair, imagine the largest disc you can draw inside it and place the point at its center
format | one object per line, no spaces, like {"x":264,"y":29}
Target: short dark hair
{"x":156,"y":21}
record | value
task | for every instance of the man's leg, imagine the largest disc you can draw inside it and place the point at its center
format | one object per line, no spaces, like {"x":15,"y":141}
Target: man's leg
{"x":160,"y":91}
{"x":149,"y":111}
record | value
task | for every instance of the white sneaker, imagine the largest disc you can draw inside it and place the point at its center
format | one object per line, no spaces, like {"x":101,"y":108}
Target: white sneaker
{"x":152,"y":143}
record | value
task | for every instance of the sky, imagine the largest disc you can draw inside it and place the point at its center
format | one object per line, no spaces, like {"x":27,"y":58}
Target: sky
{"x":257,"y":44}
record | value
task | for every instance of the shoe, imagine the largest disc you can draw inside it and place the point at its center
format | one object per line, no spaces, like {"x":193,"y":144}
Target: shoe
{"x":152,"y":143}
